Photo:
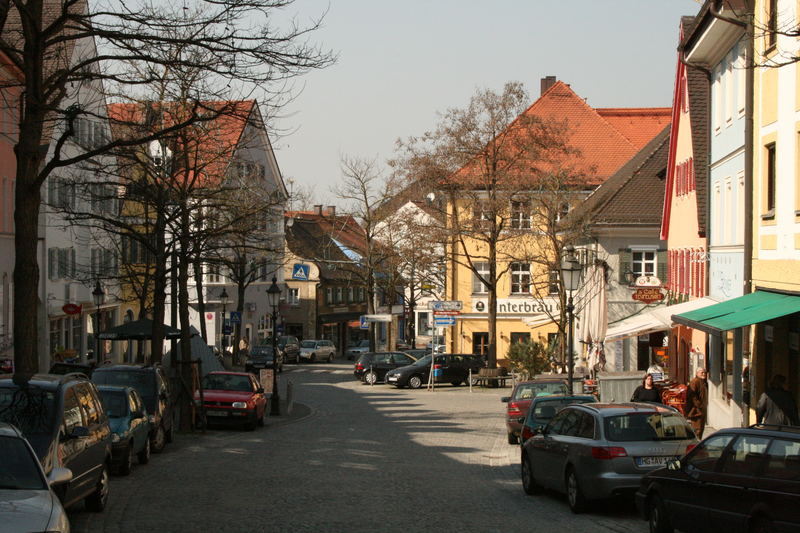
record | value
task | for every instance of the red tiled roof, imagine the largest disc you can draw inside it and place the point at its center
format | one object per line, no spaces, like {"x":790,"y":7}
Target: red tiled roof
{"x":600,"y":142}
{"x":639,"y":125}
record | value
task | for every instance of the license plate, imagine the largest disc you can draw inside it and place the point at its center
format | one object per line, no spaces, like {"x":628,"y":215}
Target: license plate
{"x":259,"y":366}
{"x":392,"y":378}
{"x":216,"y":413}
{"x":660,"y":460}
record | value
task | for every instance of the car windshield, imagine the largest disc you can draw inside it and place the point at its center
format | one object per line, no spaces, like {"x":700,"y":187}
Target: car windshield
{"x":115,"y":403}
{"x":31,"y":410}
{"x":19,"y":469}
{"x":528,"y":391}
{"x":227,"y":382}
{"x":143,"y":382}
{"x":547,"y":409}
{"x":631,"y":427}
{"x":363,"y":344}
{"x":262,"y":349}
{"x":308,"y":344}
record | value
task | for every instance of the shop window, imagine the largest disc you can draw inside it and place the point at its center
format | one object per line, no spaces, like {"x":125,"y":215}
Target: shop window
{"x":524,"y":337}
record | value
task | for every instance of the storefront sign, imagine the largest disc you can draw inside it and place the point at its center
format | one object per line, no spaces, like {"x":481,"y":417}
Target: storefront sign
{"x":647,"y":281}
{"x":72,"y":309}
{"x":648,"y":295}
{"x":518,"y":306}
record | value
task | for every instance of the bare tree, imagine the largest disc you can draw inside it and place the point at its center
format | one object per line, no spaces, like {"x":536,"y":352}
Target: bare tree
{"x":52,"y":44}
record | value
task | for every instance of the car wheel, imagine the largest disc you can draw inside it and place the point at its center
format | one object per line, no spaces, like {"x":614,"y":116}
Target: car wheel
{"x":657,"y":515}
{"x":575,"y":498}
{"x":250,"y":425}
{"x":330,"y":358}
{"x":415,"y":382}
{"x":260,"y":420}
{"x":97,"y":500}
{"x":512,"y":438}
{"x":313,"y":358}
{"x":455,"y":383}
{"x":144,"y":455}
{"x":158,"y":440}
{"x":761,"y":525}
{"x":529,"y":484}
{"x":126,"y":463}
{"x":370,"y":378}
{"x":169,"y":436}
{"x":474,"y":380}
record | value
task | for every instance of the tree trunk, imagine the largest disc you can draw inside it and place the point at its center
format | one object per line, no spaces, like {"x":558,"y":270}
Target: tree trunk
{"x":492,"y":311}
{"x":185,"y":395}
{"x":159,"y":287}
{"x":201,"y":301}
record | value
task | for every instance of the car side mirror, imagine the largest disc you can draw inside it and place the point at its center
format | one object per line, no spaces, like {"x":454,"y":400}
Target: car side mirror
{"x":505,"y":399}
{"x":59,"y":475}
{"x":538,"y":430}
{"x":137,"y":414}
{"x":260,"y":390}
{"x":674,"y":464}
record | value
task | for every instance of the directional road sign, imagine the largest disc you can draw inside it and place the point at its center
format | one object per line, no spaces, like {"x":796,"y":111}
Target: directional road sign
{"x":444,"y":321}
{"x":446,"y":305}
{"x":377,"y":318}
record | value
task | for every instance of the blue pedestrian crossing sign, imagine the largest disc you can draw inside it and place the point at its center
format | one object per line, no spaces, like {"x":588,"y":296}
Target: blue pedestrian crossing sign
{"x":300,"y":272}
{"x":236,"y":317}
{"x":363,"y":324}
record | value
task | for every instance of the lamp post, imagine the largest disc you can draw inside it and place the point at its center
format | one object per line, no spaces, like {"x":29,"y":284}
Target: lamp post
{"x":274,"y":296}
{"x":223,"y":298}
{"x":97,"y":296}
{"x":570,"y":276}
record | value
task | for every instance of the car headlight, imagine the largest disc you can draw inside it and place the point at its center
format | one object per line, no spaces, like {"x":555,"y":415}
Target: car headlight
{"x":249,"y":362}
{"x":114,"y":437}
{"x":239,"y":405}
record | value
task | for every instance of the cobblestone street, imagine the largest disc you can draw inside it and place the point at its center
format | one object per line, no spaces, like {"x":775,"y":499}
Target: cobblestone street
{"x":349,"y":458}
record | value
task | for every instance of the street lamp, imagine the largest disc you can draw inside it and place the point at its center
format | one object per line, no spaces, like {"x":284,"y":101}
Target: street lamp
{"x":97,"y":295}
{"x":571,"y":277}
{"x":274,"y":297}
{"x":223,"y":298}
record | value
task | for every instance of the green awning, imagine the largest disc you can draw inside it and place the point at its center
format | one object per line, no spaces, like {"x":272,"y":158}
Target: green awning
{"x":745,"y":310}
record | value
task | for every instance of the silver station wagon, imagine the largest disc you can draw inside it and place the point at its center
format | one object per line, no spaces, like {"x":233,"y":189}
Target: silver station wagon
{"x":595,"y":451}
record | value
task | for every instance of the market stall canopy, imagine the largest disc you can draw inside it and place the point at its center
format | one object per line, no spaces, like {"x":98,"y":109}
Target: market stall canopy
{"x":659,"y":319}
{"x":140,"y":330}
{"x":746,"y":310}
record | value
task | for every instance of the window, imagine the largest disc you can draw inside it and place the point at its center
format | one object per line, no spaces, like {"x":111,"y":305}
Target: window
{"x":745,"y":456}
{"x":784,"y":460}
{"x":482,"y":268}
{"x":521,"y":215}
{"x":643,"y":263}
{"x":769,"y":179}
{"x":72,"y":411}
{"x":294,"y":296}
{"x":553,"y":282}
{"x":706,"y":455}
{"x":524,"y":337}
{"x":520,"y":278}
{"x":481,"y":212}
{"x":89,"y":404}
{"x":717,"y":102}
{"x":329,"y":295}
{"x":772,"y":23}
{"x":214,"y":275}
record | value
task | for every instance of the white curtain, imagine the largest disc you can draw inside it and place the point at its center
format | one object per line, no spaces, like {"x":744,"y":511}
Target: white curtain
{"x":591,"y":305}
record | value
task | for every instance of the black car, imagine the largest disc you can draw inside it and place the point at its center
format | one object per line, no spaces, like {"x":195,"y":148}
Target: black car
{"x":417,"y":353}
{"x":289,"y":347}
{"x":372,"y":367}
{"x":153,"y":386}
{"x":453,"y":368}
{"x":63,"y":419}
{"x":260,"y":357}
{"x":68,"y":368}
{"x":736,"y":480}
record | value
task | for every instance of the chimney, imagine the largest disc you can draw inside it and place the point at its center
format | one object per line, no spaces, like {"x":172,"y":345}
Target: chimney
{"x":318,"y":209}
{"x":546,"y":83}
{"x":331,"y":211}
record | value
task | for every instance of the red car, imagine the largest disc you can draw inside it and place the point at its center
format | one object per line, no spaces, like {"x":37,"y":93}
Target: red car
{"x":233,"y":397}
{"x":520,"y":401}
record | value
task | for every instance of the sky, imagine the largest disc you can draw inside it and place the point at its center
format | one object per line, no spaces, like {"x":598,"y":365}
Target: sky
{"x":402,"y":61}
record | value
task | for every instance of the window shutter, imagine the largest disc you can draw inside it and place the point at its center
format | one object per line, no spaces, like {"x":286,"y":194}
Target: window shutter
{"x":661,"y":266}
{"x":624,"y":265}
{"x":73,"y":270}
{"x":52,"y":259}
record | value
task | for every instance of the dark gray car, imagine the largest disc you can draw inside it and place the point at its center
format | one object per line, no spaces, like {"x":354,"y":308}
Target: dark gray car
{"x":260,"y":357}
{"x":594,"y":451}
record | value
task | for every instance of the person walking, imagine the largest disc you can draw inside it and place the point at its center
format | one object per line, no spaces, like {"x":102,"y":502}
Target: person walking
{"x":697,"y":402}
{"x":646,"y":392}
{"x":776,"y":405}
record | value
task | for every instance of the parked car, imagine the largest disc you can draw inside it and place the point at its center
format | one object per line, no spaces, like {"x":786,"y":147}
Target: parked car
{"x":402,"y":345}
{"x":6,"y":366}
{"x":289,"y":348}
{"x":354,"y":351}
{"x":130,"y":426}
{"x":544,"y":407}
{"x":260,"y":357}
{"x":68,"y":368}
{"x":65,"y":423}
{"x":29,"y":503}
{"x":372,"y":367}
{"x":153,"y":386}
{"x":417,"y":353}
{"x":452,"y":368}
{"x":598,"y":450}
{"x":521,"y":396}
{"x":233,"y":397}
{"x":319,"y":350}
{"x":736,"y":480}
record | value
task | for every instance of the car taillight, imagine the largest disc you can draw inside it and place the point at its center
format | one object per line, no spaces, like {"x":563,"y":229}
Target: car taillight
{"x":513,"y":409}
{"x":690,"y":447}
{"x":437,"y":366}
{"x":527,"y":433}
{"x":608,"y":452}
{"x":359,"y":366}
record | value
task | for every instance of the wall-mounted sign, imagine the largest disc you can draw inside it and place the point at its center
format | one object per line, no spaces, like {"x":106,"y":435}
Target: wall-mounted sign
{"x":518,"y":306}
{"x":300,"y":272}
{"x":377,"y":318}
{"x":648,"y":295}
{"x":72,"y":309}
{"x":446,"y":305}
{"x":647,"y":281}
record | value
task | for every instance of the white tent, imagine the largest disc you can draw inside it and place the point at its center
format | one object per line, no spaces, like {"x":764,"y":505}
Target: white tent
{"x":658,"y":319}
